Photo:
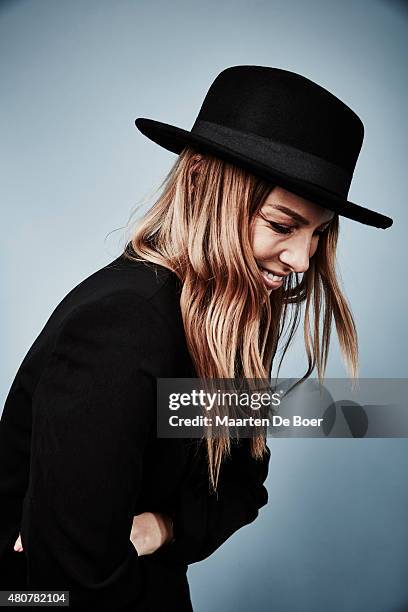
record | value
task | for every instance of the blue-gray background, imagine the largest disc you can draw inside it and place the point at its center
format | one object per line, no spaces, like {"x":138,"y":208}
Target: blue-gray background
{"x":74,"y":76}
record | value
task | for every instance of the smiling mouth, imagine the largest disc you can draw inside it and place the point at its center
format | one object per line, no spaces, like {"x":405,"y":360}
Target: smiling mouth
{"x":271,"y":275}
{"x":271,"y":280}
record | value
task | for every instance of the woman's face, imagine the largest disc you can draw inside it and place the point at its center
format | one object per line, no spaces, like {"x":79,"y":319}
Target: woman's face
{"x":287,"y":237}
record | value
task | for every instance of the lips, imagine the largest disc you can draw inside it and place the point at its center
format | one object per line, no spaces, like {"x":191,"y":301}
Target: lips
{"x":272,"y":281}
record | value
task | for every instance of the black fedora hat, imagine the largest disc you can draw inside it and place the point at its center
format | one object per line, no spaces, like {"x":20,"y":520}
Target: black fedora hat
{"x":281,"y":126}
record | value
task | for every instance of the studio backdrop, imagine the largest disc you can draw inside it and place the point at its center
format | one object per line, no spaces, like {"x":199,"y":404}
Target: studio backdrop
{"x":74,"y":76}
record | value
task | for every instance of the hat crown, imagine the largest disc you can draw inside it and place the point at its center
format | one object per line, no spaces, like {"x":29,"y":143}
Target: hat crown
{"x":282,"y":127}
{"x":285,"y":107}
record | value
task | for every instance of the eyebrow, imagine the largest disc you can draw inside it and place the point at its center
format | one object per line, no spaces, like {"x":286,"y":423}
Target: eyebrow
{"x":294,"y":215}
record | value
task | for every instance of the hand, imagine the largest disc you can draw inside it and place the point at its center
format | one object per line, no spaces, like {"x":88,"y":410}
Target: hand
{"x":150,"y":530}
{"x":18,"y":547}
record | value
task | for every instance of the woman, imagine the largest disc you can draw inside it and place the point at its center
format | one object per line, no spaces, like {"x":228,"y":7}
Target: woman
{"x":210,"y":284}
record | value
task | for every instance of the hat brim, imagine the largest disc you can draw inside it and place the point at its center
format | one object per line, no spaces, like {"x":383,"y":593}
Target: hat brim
{"x":174,"y":139}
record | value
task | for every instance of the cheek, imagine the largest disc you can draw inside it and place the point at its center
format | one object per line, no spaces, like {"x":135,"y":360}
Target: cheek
{"x":264,"y":244}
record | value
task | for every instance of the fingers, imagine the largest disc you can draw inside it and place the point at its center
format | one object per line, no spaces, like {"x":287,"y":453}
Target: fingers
{"x":165,"y":525}
{"x":150,"y":530}
{"x":18,"y":546}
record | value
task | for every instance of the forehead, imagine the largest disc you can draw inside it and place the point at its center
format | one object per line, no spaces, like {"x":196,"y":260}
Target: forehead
{"x":309,"y":211}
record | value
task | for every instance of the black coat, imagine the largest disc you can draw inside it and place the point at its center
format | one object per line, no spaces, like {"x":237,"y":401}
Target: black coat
{"x":79,"y":455}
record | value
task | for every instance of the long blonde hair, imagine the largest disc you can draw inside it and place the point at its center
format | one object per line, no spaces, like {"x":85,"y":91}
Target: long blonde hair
{"x":200,"y":228}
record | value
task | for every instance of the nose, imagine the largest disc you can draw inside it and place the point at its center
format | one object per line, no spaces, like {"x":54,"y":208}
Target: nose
{"x":296,"y":254}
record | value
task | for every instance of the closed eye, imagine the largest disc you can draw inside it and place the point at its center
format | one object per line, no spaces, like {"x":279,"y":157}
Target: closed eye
{"x":287,"y":229}
{"x":282,"y":229}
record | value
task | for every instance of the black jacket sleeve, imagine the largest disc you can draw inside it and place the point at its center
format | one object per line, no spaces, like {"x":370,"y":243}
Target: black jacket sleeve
{"x":93,"y":409}
{"x":203,"y":521}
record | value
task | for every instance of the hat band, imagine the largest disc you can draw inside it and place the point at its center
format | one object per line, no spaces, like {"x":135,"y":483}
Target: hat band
{"x":281,"y":157}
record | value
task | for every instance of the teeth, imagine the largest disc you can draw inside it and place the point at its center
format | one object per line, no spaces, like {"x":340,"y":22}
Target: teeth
{"x":271,"y":276}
